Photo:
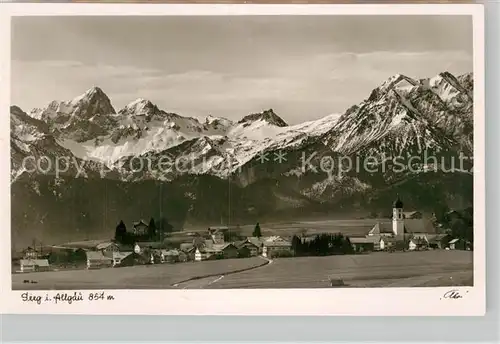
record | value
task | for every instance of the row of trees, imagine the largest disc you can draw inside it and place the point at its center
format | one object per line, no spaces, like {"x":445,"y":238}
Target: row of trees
{"x":155,"y":232}
{"x":461,"y":224}
{"x":322,"y":245}
{"x":67,"y":257}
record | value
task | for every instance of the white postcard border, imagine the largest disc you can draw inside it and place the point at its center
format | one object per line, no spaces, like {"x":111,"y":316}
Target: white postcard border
{"x":369,"y":301}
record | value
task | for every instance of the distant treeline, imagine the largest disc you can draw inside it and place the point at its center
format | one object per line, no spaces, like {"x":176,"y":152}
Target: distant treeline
{"x":322,"y":245}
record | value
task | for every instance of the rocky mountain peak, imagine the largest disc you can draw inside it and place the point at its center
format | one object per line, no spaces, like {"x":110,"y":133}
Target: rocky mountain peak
{"x":93,"y":102}
{"x":408,"y":115}
{"x":140,"y":106}
{"x":95,"y":92}
{"x":268,"y":115}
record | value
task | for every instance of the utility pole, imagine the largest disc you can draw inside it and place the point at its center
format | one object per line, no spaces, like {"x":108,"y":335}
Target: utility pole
{"x":229,"y":206}
{"x":161,"y":217}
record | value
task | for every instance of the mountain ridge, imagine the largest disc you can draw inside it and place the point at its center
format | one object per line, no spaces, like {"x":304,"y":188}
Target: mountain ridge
{"x":263,"y":166}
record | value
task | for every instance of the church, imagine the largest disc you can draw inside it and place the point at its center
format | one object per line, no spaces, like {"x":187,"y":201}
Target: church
{"x":401,"y":230}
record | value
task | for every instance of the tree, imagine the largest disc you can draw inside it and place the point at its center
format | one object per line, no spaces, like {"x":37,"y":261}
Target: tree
{"x":256,"y":232}
{"x":120,"y":232}
{"x":152,"y":229}
{"x":460,"y":229}
{"x":296,"y":244}
{"x":440,"y":211}
{"x":165,"y":226}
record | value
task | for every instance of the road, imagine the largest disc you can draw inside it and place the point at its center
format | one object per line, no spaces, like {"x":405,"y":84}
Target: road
{"x":209,"y":281}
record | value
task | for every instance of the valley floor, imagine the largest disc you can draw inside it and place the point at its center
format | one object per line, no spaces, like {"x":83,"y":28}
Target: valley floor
{"x":436,"y":268}
{"x":379,"y":269}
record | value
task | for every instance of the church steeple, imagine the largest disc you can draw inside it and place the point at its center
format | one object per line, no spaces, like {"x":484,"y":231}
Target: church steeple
{"x":398,"y":203}
{"x":398,"y":223}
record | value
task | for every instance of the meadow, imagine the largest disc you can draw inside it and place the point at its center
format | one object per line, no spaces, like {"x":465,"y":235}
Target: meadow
{"x":347,"y":227}
{"x":158,"y":276}
{"x":378,"y":269}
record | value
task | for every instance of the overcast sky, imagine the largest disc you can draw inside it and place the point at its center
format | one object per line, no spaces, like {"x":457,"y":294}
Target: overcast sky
{"x":302,"y":67}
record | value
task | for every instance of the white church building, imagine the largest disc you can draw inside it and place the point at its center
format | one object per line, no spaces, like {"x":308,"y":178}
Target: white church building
{"x":386,"y":234}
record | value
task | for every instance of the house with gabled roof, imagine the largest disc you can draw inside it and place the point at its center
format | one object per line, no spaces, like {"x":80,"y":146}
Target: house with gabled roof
{"x":31,"y":253}
{"x":226,"y":250}
{"x":412,"y":214}
{"x":30,"y":265}
{"x":386,"y":243}
{"x":418,"y":243}
{"x":459,"y":244}
{"x":381,"y":229}
{"x":363,"y":244}
{"x":419,"y":226}
{"x":216,"y":233}
{"x":118,"y":257}
{"x":276,"y":245}
{"x":169,"y":256}
{"x":107,"y":248}
{"x":97,"y":260}
{"x":257,"y":242}
{"x":438,"y":240}
{"x":140,"y":228}
{"x":253,"y":249}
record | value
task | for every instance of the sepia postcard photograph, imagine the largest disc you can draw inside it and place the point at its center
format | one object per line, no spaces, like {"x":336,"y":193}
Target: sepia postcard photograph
{"x":325,"y":152}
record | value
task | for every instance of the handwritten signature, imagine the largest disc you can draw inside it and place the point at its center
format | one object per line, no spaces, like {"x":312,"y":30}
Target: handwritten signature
{"x":453,"y":294}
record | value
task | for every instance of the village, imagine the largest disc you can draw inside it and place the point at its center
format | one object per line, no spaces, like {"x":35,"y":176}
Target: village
{"x":407,"y":231}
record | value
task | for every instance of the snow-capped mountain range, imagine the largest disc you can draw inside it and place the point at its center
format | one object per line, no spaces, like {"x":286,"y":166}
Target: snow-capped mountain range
{"x":402,"y":114}
{"x":90,"y":128}
{"x":402,"y":117}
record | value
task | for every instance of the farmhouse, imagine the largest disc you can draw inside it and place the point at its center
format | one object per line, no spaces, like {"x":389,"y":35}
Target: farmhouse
{"x":275,"y":246}
{"x":134,"y":259}
{"x":459,"y":244}
{"x":30,"y":253}
{"x":30,"y":265}
{"x":206,"y":244}
{"x":118,"y":257}
{"x":140,"y":228}
{"x":438,"y":240}
{"x":253,"y":250}
{"x":362,"y":244}
{"x":227,"y":250}
{"x":418,"y":243}
{"x":97,"y":260}
{"x":217,"y":234}
{"x":385,"y":243}
{"x":201,"y":254}
{"x":107,"y":248}
{"x":169,"y":256}
{"x":257,"y":242}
